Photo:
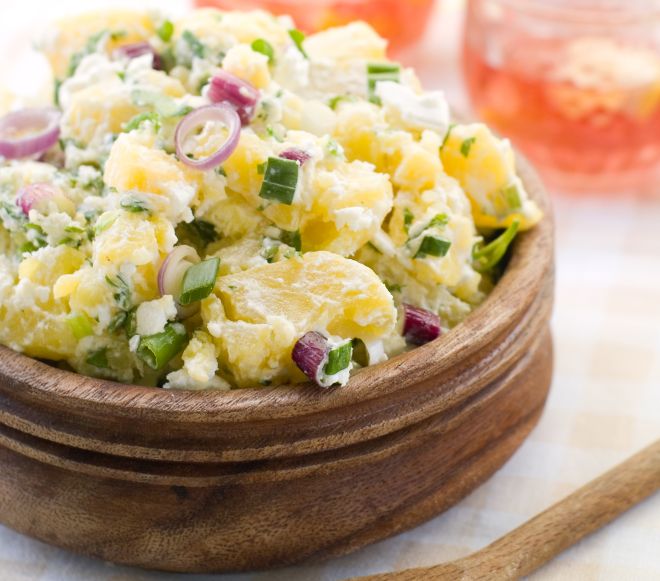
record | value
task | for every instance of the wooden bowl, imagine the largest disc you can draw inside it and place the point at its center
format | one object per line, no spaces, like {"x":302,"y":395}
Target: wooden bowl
{"x":253,"y":479}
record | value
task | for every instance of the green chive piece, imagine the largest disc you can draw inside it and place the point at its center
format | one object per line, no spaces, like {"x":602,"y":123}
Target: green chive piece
{"x":98,"y":358}
{"x":512,"y":197}
{"x":292,"y":239}
{"x":432,"y":246}
{"x":264,"y":47}
{"x":199,"y":280}
{"x":467,"y":145}
{"x":298,"y":38}
{"x":377,"y":72}
{"x":360,"y":352}
{"x":489,"y":256}
{"x":165,"y":31}
{"x":439,"y":221}
{"x":81,"y":325}
{"x":446,"y":138}
{"x":408,"y":218}
{"x":339,"y":358}
{"x":261,"y":168}
{"x":280,"y":180}
{"x":134,"y":205}
{"x":196,"y":45}
{"x":159,"y":349}
{"x":335,"y":101}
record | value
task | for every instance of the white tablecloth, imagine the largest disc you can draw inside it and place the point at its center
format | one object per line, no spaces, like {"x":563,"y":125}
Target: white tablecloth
{"x":604,"y":404}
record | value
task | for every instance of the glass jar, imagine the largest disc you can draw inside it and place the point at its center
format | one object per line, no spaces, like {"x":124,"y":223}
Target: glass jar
{"x":574,"y":83}
{"x":402,"y":22}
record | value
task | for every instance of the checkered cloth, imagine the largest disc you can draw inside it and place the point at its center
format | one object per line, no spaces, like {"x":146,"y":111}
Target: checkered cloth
{"x":603,"y":407}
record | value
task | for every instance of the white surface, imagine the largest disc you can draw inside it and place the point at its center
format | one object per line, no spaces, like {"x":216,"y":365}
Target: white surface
{"x":604,"y":405}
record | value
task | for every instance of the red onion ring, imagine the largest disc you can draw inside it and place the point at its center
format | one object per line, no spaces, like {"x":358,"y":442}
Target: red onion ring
{"x":34,"y":196}
{"x":198,"y":118}
{"x":419,"y":325}
{"x":137,"y":49}
{"x":310,"y":353}
{"x":28,"y":132}
{"x":296,"y":155}
{"x":228,"y":88}
{"x":171,"y":273}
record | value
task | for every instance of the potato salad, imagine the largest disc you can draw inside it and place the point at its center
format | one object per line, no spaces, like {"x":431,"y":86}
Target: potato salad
{"x":219,"y":202}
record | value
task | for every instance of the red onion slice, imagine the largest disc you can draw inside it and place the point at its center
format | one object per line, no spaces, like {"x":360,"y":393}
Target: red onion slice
{"x":28,"y":132}
{"x":138,"y":49}
{"x":171,"y":273}
{"x":296,"y":155}
{"x":310,"y":354}
{"x":196,"y":120}
{"x":228,"y":88}
{"x":36,"y":196}
{"x":419,"y":325}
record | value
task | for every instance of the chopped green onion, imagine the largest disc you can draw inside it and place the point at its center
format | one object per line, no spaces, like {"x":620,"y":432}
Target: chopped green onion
{"x":118,"y":321}
{"x":432,"y":246}
{"x":360,"y":352}
{"x":292,"y":239}
{"x":487,"y":257}
{"x":393,"y":287}
{"x":377,"y":72}
{"x":157,"y":350}
{"x":198,"y":233}
{"x":512,"y":197}
{"x":298,"y":38}
{"x":467,"y":145}
{"x":134,"y":205}
{"x":81,"y":325}
{"x":280,"y":180}
{"x":408,"y":218}
{"x":446,"y":138}
{"x":261,"y":168}
{"x":264,"y":47}
{"x":165,"y":31}
{"x":439,"y":221}
{"x":334,"y":102}
{"x":199,"y":280}
{"x":98,"y":358}
{"x":196,"y":45}
{"x":339,"y":359}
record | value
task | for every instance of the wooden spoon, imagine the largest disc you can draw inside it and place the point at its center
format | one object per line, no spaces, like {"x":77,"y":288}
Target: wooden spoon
{"x":539,"y":540}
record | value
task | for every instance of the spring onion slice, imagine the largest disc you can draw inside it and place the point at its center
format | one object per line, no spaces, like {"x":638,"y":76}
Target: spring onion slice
{"x":280,"y":180}
{"x":98,"y":358}
{"x":377,"y":72}
{"x":339,"y":359}
{"x":432,"y":246}
{"x":199,"y":280}
{"x":487,"y":257}
{"x":159,"y":349}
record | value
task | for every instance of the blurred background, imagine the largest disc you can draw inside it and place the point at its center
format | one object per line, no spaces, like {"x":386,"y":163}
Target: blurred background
{"x":576,"y":85}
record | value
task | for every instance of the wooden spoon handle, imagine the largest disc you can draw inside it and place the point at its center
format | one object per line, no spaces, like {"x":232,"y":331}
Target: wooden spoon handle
{"x":536,"y":542}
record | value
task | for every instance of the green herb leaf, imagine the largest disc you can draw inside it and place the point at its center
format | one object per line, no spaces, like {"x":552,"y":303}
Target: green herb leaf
{"x":98,"y":358}
{"x":280,"y":180}
{"x":432,"y":246}
{"x":159,"y":349}
{"x":165,"y":31}
{"x":339,"y":358}
{"x":199,"y":280}
{"x":467,"y":145}
{"x":264,"y":47}
{"x":198,"y":233}
{"x":196,"y":45}
{"x":298,"y":37}
{"x":439,"y":221}
{"x":487,"y":257}
{"x":122,"y":293}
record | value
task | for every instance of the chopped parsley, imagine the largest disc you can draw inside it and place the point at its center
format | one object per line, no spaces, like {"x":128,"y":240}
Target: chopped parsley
{"x":298,"y":37}
{"x":135,"y":205}
{"x":196,"y":45}
{"x":265,"y":48}
{"x":122,"y":292}
{"x":467,"y":145}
